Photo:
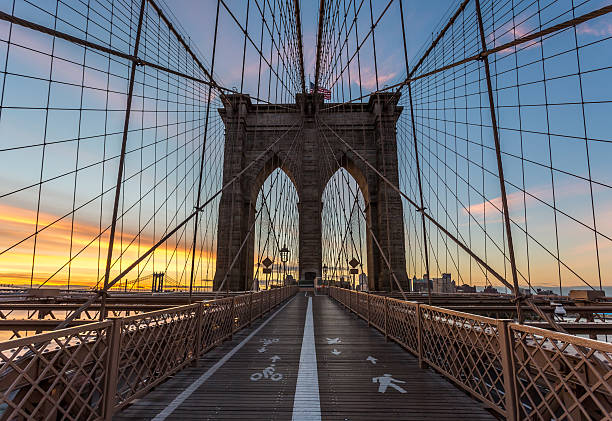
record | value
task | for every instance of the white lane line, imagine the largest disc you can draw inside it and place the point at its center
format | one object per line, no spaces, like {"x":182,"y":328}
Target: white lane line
{"x":200,"y":380}
{"x":306,"y":404}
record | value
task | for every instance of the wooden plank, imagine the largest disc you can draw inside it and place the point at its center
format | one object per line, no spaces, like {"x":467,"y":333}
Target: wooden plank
{"x":345,"y":380}
{"x":347,"y":389}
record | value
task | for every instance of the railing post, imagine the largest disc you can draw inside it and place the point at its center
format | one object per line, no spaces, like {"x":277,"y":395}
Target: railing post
{"x":368,"y":295}
{"x":198,"y":340}
{"x":250,"y":307}
{"x":231,"y":334}
{"x":505,"y":347}
{"x":112,"y":368}
{"x":422,"y":363}
{"x":386,"y":318}
{"x":269,"y":301}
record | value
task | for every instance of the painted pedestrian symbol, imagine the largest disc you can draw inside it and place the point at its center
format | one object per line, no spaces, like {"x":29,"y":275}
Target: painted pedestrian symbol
{"x":267,"y":373}
{"x":332,"y":341}
{"x":336,"y":352}
{"x":386,"y":381}
{"x":372,"y":359}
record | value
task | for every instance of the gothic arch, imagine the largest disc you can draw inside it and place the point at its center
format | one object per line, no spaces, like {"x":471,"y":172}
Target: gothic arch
{"x":263,"y":172}
{"x":356,"y":170}
{"x":250,"y":130}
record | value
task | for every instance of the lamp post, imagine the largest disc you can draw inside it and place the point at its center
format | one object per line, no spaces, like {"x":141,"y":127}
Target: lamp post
{"x":324,"y":273}
{"x":284,"y":255}
{"x":353,"y":270}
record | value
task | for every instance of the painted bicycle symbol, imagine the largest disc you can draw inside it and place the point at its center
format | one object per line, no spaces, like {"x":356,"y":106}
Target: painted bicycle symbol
{"x":267,"y":373}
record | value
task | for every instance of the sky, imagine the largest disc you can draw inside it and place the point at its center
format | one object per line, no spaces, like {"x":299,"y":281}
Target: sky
{"x":62,"y":112}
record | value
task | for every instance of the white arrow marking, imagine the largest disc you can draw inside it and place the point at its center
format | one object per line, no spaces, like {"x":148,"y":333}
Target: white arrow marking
{"x":336,"y":352}
{"x":333,"y":341}
{"x":372,"y":359}
{"x":275,"y":358}
{"x":178,"y":401}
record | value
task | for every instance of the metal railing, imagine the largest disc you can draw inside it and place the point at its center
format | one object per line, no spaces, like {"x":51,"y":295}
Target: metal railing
{"x":521,"y":372}
{"x":91,"y":371}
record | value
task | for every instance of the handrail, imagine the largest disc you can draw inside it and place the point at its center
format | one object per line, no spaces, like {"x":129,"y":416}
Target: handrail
{"x":92,"y":371}
{"x":521,"y":372}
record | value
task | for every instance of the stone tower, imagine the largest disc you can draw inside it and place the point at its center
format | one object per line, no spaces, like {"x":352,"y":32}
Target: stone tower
{"x":302,"y":134}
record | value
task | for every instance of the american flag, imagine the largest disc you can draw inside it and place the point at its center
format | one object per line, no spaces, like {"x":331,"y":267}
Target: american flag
{"x":326,"y":92}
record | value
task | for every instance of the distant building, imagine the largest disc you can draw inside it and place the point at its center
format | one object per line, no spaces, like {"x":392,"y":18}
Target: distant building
{"x":419,"y":285}
{"x":490,"y":290}
{"x":443,"y":285}
{"x":466,"y":289}
{"x":540,"y":291}
{"x":363,"y":281}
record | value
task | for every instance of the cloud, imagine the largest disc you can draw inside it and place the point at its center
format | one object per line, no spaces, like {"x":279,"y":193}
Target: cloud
{"x":368,"y":78}
{"x":492,"y":208}
{"x":508,"y":33}
{"x":601,"y":29}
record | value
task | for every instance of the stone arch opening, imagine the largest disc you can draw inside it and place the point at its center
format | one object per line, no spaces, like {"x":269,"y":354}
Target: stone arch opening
{"x":276,"y":227}
{"x":344,"y":229}
{"x":273,"y":163}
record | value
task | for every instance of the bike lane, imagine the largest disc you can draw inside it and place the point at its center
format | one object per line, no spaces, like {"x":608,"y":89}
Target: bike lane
{"x":258,"y":379}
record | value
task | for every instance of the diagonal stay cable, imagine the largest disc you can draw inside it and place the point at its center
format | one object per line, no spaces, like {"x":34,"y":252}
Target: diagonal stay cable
{"x":429,"y":217}
{"x":383,"y":254}
{"x":110,"y":284}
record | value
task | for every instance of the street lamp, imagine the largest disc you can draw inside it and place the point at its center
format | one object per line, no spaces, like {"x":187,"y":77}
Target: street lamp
{"x":284,"y":255}
{"x":324,"y":273}
{"x":353,"y":270}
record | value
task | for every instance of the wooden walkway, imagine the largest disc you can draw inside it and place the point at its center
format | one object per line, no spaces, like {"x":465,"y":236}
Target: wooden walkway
{"x":353,"y":375}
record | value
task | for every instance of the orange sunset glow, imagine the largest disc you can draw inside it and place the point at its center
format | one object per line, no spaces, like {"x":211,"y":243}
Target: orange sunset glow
{"x":50,"y":264}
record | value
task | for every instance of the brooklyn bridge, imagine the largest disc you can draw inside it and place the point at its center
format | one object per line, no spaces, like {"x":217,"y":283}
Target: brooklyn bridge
{"x":305,"y":210}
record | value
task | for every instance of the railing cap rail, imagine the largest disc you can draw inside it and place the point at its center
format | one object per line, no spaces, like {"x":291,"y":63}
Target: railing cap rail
{"x":42,"y":337}
{"x":565,"y":337}
{"x":174,"y":309}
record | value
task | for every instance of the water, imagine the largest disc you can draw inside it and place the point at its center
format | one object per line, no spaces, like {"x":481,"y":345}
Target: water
{"x":555,"y":288}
